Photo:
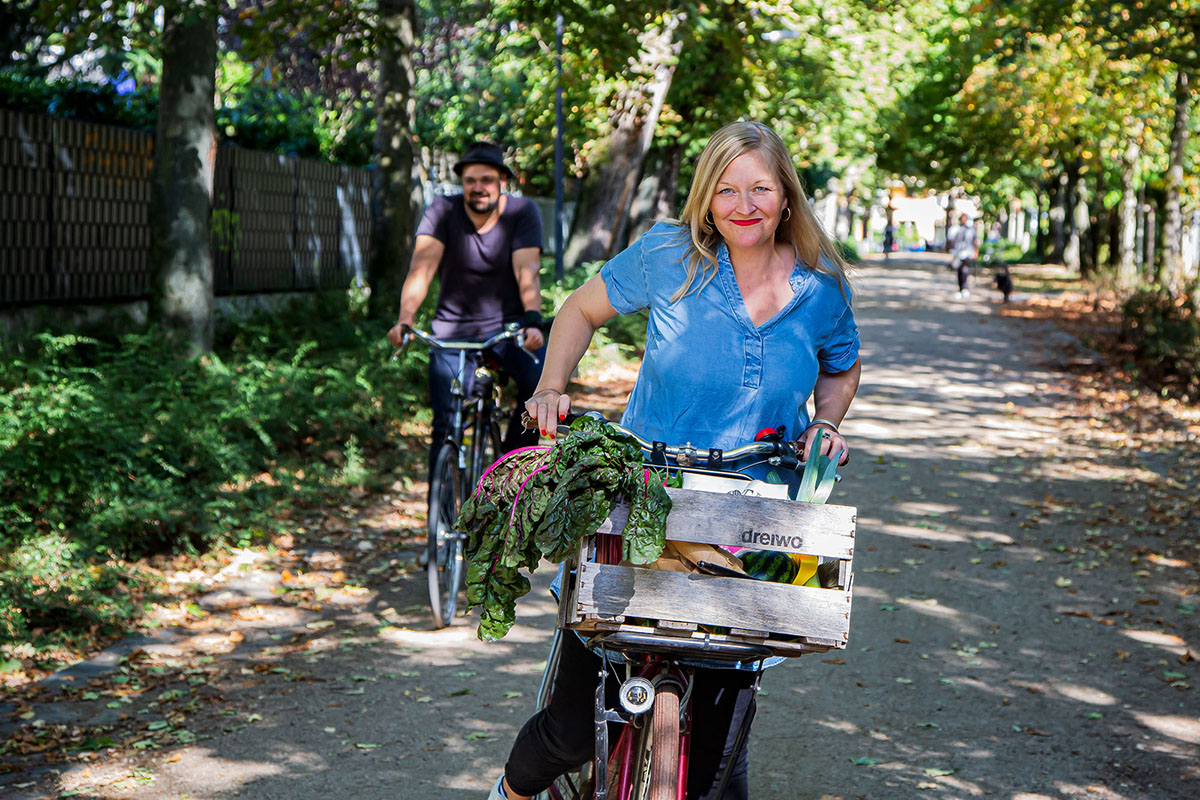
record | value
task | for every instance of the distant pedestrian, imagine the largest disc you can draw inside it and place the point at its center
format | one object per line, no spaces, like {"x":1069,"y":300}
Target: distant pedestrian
{"x":889,"y":239}
{"x":962,"y":244}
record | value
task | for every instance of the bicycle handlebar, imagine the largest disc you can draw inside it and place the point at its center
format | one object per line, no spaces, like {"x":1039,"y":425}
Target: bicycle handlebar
{"x":512,"y":331}
{"x":687,"y":455}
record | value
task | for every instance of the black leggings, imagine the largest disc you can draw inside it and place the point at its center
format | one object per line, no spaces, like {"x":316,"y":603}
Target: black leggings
{"x":561,"y":737}
{"x":964,"y":272}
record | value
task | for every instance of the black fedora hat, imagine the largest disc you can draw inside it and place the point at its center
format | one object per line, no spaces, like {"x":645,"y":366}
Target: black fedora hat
{"x":483,"y":153}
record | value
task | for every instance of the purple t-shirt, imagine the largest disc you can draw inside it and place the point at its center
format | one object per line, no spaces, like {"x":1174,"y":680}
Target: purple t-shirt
{"x":479,"y":291}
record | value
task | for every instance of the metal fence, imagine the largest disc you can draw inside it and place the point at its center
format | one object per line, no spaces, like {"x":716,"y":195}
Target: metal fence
{"x":74,"y":216}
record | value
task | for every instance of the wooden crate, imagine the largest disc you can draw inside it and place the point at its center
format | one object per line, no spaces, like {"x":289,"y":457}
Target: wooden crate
{"x":790,"y":620}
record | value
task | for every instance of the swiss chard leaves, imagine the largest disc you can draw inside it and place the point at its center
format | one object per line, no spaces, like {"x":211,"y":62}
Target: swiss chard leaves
{"x":539,"y":502}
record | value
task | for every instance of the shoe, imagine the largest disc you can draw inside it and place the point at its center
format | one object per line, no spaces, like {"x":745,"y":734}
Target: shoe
{"x":498,"y":791}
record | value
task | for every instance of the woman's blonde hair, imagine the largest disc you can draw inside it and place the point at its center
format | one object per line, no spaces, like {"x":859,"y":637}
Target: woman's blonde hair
{"x":801,"y":229}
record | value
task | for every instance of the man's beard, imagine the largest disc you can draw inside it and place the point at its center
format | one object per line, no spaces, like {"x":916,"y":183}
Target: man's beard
{"x":482,"y":205}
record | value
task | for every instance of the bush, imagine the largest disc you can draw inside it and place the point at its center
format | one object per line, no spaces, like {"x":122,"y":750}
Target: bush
{"x":848,"y":250}
{"x":1001,"y":251}
{"x":626,"y":331}
{"x":1165,"y":332}
{"x":113,"y":450}
{"x":258,"y":117}
{"x":74,"y":99}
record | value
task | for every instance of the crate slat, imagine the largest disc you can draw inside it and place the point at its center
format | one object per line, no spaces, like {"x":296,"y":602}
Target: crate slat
{"x":816,"y":614}
{"x":757,"y":523}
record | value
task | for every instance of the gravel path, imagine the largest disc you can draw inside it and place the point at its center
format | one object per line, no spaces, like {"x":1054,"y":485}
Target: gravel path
{"x":1014,"y":634}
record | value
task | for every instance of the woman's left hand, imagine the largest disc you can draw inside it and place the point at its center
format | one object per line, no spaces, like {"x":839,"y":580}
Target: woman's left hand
{"x":831,"y":443}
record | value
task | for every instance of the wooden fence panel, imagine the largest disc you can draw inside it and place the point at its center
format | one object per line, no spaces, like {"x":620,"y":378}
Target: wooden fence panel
{"x":101,"y":211}
{"x":75,"y":204}
{"x":26,"y":206}
{"x":266,"y":213}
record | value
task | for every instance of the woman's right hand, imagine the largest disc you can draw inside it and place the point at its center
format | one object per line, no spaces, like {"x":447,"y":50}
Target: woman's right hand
{"x":548,"y":407}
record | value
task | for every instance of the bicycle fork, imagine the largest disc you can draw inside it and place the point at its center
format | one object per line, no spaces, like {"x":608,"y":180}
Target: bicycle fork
{"x":626,"y":742}
{"x":458,"y":392}
{"x":637,"y":698}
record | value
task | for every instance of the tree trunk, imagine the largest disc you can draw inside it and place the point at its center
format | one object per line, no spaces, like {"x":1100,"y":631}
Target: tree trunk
{"x":1114,"y":240}
{"x":1059,"y":195}
{"x":397,"y":197}
{"x":185,"y":150}
{"x":655,"y":199}
{"x":1039,"y":240}
{"x":1074,"y":199}
{"x":1191,"y":252}
{"x":951,"y":220}
{"x":1079,"y":243}
{"x":608,"y":191}
{"x":1148,"y":258}
{"x":1097,"y":222}
{"x":1172,"y":267}
{"x":1127,"y":262}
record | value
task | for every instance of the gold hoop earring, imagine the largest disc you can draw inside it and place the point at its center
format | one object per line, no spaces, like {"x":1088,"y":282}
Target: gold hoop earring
{"x":708,"y":220}
{"x":787,"y":210}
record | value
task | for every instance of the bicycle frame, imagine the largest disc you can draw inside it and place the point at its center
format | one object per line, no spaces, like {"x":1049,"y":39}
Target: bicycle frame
{"x":480,"y":405}
{"x":483,"y":397}
{"x":650,"y":655}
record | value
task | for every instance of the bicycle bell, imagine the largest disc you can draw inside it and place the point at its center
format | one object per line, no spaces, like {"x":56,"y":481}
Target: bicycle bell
{"x":637,"y":695}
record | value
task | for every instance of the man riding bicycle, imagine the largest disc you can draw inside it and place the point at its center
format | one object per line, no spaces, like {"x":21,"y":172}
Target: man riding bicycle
{"x":485,"y":247}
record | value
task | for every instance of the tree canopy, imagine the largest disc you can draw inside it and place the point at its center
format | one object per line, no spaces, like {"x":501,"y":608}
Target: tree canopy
{"x":995,"y":99}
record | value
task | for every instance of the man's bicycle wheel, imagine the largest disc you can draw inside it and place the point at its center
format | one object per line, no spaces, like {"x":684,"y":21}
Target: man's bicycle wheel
{"x":446,"y":546}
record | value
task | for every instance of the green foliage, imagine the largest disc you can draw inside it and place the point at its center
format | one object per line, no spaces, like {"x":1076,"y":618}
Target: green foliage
{"x":539,"y":502}
{"x":250,"y":114}
{"x":113,"y":450}
{"x":80,"y":100}
{"x":848,"y":250}
{"x":1165,"y":331}
{"x":273,"y":116}
{"x":1001,"y":251}
{"x":626,"y":331}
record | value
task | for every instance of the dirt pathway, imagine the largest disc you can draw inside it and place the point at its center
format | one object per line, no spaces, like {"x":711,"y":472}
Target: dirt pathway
{"x":1016,"y":631}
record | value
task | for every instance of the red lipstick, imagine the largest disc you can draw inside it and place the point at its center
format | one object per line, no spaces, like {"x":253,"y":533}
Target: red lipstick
{"x":745,"y":222}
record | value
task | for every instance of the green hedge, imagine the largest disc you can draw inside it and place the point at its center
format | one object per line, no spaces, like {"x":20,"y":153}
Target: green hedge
{"x":1164,"y":329}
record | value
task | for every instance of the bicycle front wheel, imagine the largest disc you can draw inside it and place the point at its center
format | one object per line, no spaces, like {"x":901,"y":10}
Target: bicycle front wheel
{"x":655,"y":753}
{"x":664,"y":746}
{"x":447,"y":559}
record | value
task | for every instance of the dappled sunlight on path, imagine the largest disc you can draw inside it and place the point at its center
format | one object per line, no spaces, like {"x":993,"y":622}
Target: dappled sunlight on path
{"x":1018,"y":631}
{"x":989,"y":650}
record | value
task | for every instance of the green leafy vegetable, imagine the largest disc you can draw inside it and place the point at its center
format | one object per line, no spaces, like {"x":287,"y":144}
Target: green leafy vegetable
{"x":538,"y":502}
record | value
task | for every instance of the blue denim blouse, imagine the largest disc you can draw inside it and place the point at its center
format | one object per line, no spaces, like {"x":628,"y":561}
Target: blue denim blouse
{"x":709,"y":376}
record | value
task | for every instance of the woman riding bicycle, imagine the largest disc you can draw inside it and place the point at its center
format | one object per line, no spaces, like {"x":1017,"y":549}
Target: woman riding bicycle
{"x":749,"y":316}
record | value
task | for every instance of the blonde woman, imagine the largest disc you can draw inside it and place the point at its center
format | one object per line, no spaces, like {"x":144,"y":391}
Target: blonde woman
{"x":749,"y":317}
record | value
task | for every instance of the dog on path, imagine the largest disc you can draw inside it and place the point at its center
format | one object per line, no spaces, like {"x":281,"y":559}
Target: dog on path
{"x":1003,"y":281}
